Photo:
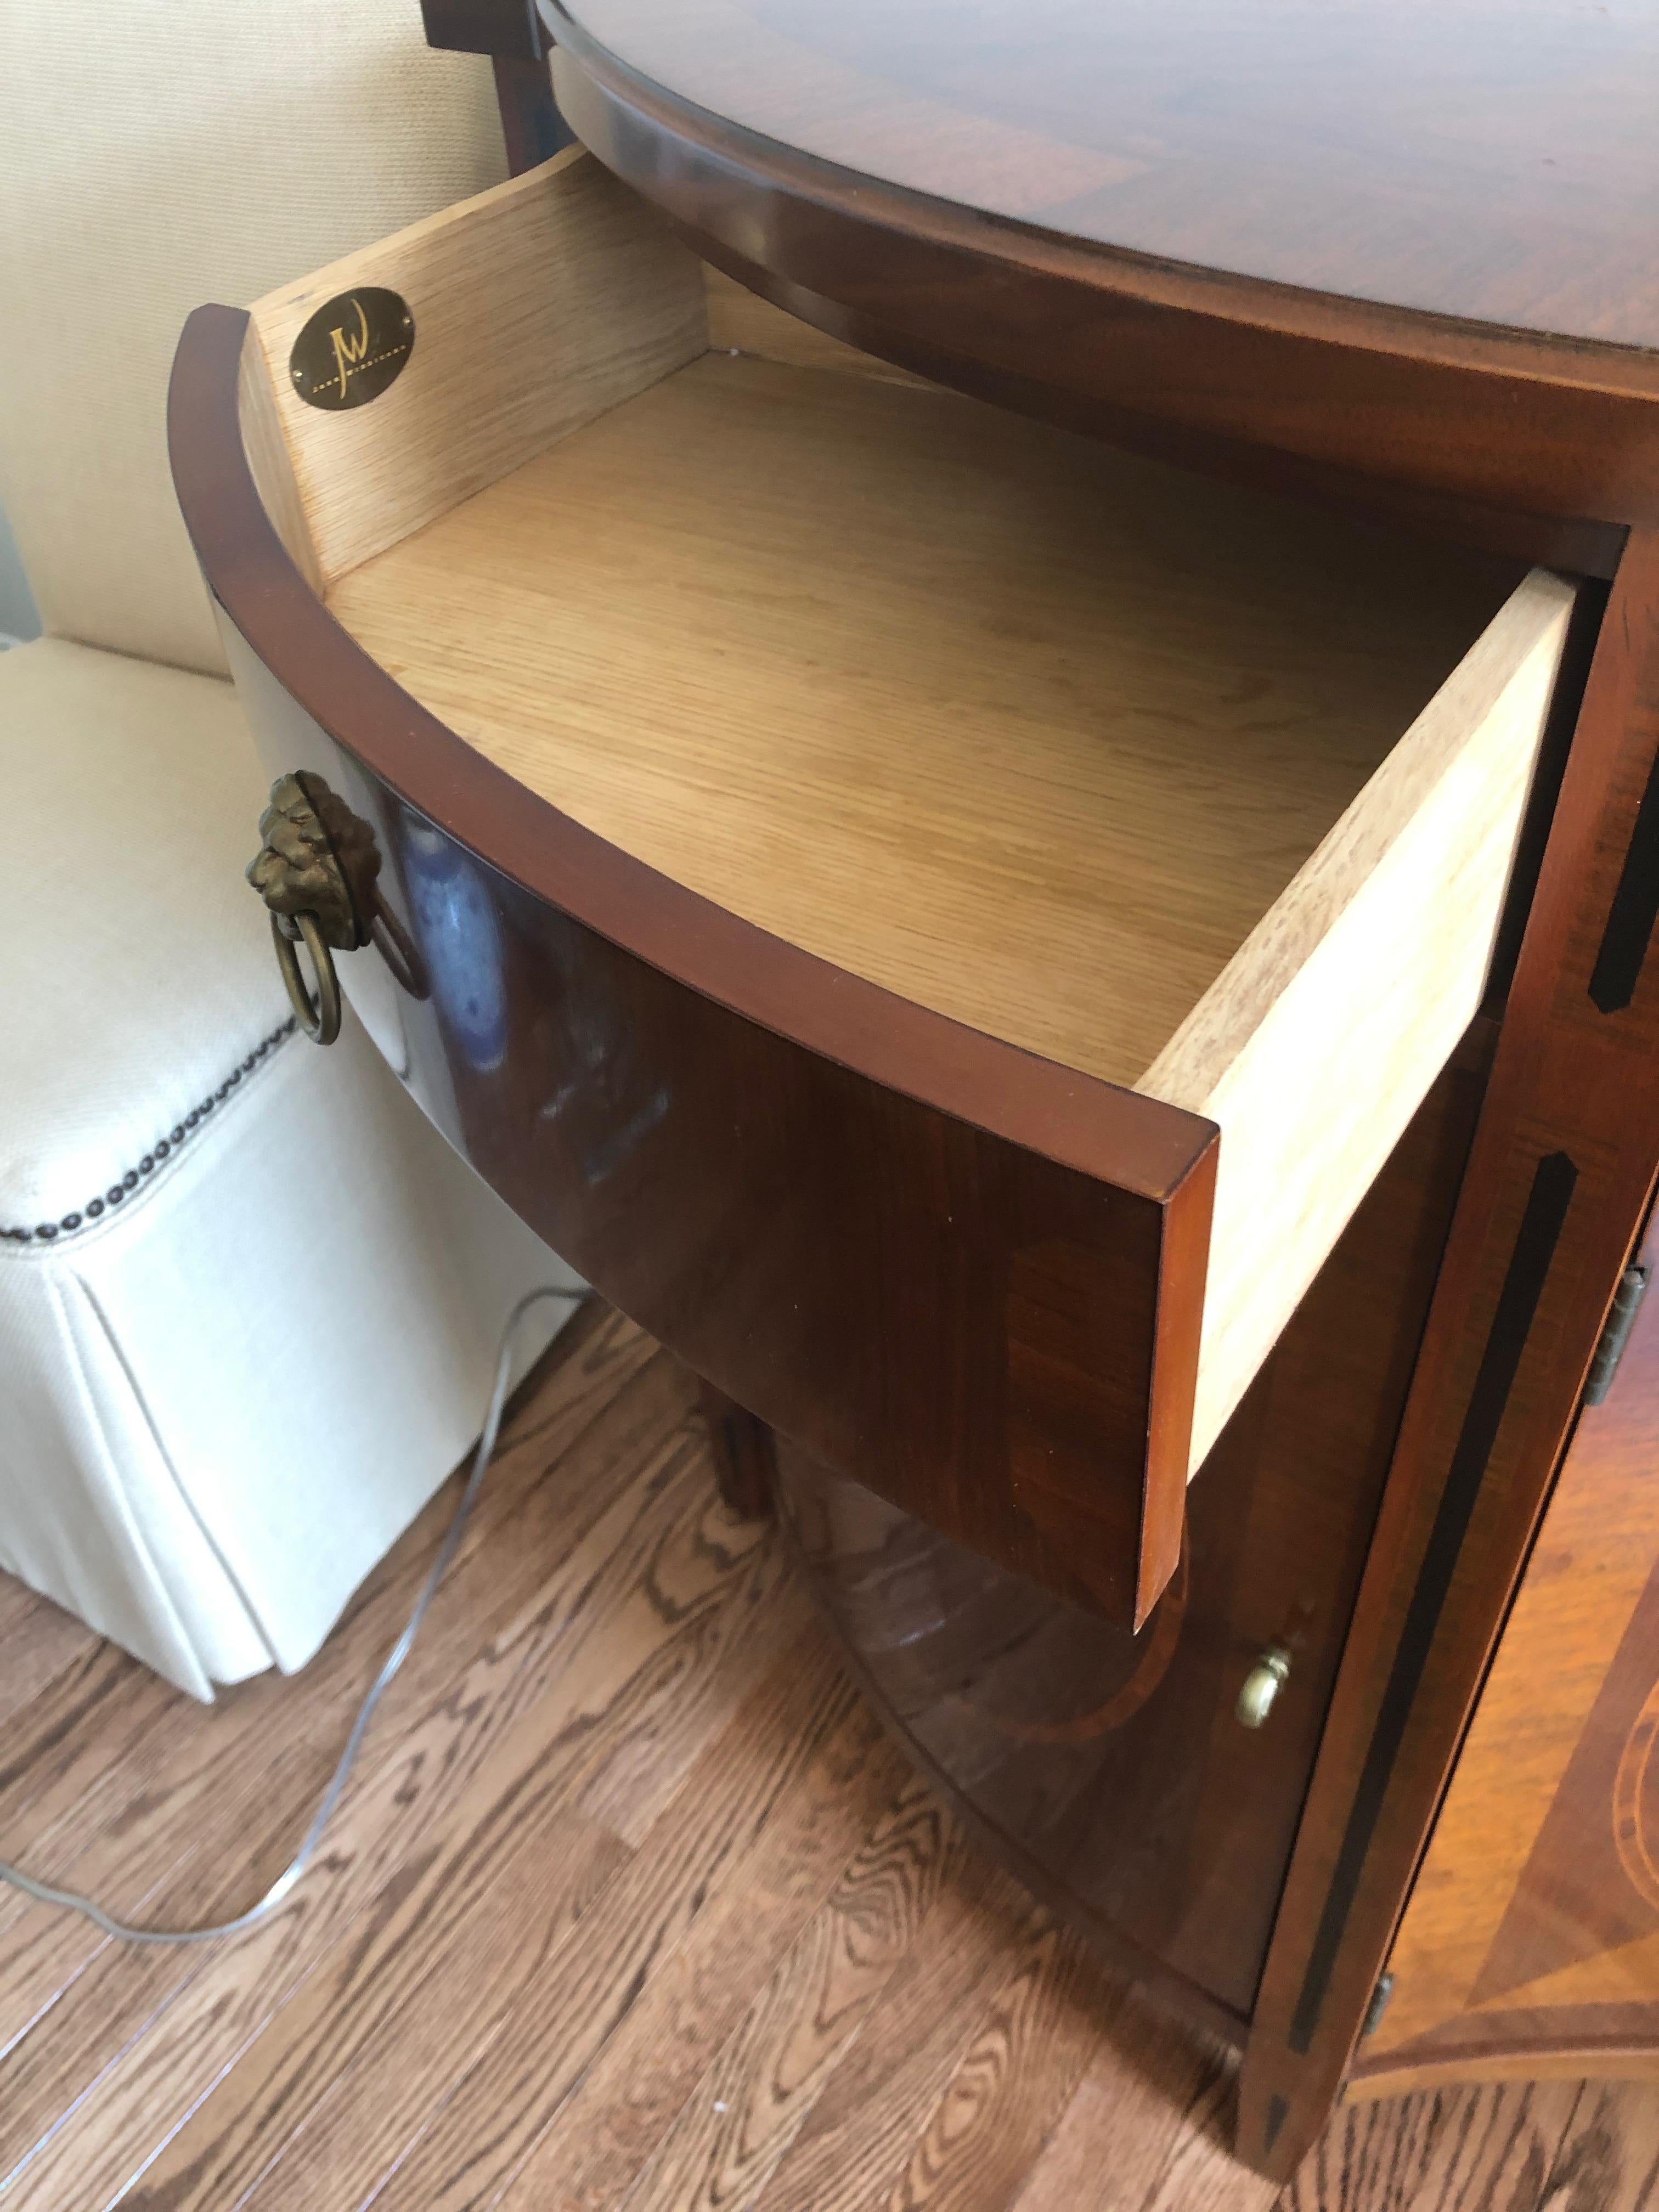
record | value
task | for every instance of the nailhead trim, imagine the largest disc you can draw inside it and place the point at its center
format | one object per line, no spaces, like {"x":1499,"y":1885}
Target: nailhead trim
{"x":48,"y":1232}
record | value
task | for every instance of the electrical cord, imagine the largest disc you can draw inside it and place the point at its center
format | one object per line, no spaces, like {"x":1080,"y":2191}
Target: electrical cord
{"x":44,"y":1893}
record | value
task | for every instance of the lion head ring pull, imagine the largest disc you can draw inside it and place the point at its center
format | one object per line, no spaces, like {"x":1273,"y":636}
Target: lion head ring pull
{"x":318,"y":871}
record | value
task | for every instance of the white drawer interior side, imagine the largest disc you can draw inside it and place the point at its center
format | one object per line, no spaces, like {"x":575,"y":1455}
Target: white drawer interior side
{"x":1313,"y":1082}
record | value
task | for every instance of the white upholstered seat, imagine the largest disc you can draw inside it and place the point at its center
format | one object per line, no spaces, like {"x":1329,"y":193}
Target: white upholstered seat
{"x":248,"y":1297}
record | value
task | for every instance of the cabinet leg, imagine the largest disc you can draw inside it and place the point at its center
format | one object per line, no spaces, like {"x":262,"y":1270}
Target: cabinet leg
{"x":743,"y":1454}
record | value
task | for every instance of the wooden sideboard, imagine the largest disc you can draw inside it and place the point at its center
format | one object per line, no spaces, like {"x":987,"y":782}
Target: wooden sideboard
{"x":1005,"y":674}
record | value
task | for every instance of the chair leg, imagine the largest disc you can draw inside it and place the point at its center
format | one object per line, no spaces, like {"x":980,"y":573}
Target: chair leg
{"x":742,"y":1447}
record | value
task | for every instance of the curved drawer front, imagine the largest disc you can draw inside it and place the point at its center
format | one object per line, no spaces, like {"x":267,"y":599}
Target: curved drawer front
{"x":961,"y":1319}
{"x":861,"y":849}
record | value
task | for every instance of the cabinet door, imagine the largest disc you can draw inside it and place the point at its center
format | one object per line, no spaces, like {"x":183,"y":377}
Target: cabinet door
{"x":1112,"y":1770}
{"x":1530,"y":1944}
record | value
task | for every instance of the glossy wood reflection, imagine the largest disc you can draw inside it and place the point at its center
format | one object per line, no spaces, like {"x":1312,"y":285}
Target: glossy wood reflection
{"x":1461,"y":157}
{"x":991,"y":275}
{"x":1112,"y":1769}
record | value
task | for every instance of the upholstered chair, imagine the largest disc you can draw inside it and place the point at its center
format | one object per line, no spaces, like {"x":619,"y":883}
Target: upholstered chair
{"x":249,"y":1300}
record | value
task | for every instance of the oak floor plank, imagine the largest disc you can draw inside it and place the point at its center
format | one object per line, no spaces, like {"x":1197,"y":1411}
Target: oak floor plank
{"x":127,"y":1827}
{"x":1147,"y":2129}
{"x":754,"y":2094}
{"x":650,"y":1749}
{"x":860,"y":2132}
{"x":41,"y":1642}
{"x":418,"y":2030}
{"x":535,"y":1693}
{"x":601,"y":2139}
{"x":1609,"y":2160}
{"x":377,"y":2102}
{"x":1486,"y":2148}
{"x":63,"y":1799}
{"x":475,"y":2144}
{"x":264,"y":1786}
{"x":621,"y":1849}
{"x":1024,"y":2061}
{"x":97,"y":1992}
{"x":578,"y":1380}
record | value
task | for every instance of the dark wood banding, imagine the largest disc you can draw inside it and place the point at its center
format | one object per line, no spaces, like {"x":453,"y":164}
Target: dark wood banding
{"x":1535,"y":1243}
{"x":1571,"y":1081}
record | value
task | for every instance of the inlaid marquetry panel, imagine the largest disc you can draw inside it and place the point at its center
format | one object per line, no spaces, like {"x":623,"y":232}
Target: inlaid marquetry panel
{"x":1532,"y":1937}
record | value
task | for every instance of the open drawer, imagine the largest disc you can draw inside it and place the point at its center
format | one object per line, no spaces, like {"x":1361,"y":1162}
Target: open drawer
{"x":941,"y":921}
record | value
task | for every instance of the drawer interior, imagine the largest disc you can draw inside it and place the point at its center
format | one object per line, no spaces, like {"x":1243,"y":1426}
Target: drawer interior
{"x":1021,"y":728}
{"x":1200,"y":793}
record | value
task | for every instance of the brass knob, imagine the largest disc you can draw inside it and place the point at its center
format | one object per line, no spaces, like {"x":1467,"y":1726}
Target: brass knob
{"x":1262,"y":1685}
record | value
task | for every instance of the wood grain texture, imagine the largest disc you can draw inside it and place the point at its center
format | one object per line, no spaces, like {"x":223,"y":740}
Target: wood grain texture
{"x":856,"y":2143}
{"x":601,"y":2138}
{"x":271,"y":461}
{"x":1534,"y":1923}
{"x":707,"y":1067}
{"x":741,"y":321}
{"x":954,"y":731}
{"x":343,"y":2024}
{"x":484,"y":1988}
{"x":1491,"y":2147}
{"x":1393,"y":954}
{"x":42,"y":1642}
{"x":477,"y":2146}
{"x":759,"y":2086}
{"x":1559,"y":1175}
{"x":1284,"y":145}
{"x":1342,"y":394}
{"x":139,"y":1830}
{"x":1608,"y":2159}
{"x":1109,"y":1769}
{"x":1026,"y":732}
{"x":537,"y":306}
{"x":1147,"y":2130}
{"x":145,"y":1831}
{"x":1010,"y":2083}
{"x":553,"y":1605}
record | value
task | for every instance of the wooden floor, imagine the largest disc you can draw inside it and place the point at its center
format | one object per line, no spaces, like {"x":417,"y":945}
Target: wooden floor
{"x":629,"y":1905}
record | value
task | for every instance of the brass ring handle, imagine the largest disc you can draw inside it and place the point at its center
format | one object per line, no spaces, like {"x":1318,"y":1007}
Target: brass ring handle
{"x":397,"y":948}
{"x":320,"y":1018}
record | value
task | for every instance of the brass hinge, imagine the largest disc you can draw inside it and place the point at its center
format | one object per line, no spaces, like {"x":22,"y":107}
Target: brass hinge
{"x":1377,"y":2006}
{"x":1621,"y":1319}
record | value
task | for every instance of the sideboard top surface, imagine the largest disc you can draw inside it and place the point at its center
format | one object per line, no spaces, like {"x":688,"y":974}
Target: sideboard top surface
{"x":1493,"y":161}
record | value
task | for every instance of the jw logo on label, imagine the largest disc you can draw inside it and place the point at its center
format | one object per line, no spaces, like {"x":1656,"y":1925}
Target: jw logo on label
{"x":353,"y":346}
{"x":350,"y":350}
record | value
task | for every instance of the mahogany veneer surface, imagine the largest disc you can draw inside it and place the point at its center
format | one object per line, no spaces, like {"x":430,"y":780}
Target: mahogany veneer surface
{"x":1488,"y":159}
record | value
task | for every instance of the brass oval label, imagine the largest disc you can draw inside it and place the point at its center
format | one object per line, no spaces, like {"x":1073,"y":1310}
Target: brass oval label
{"x":352,"y":348}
